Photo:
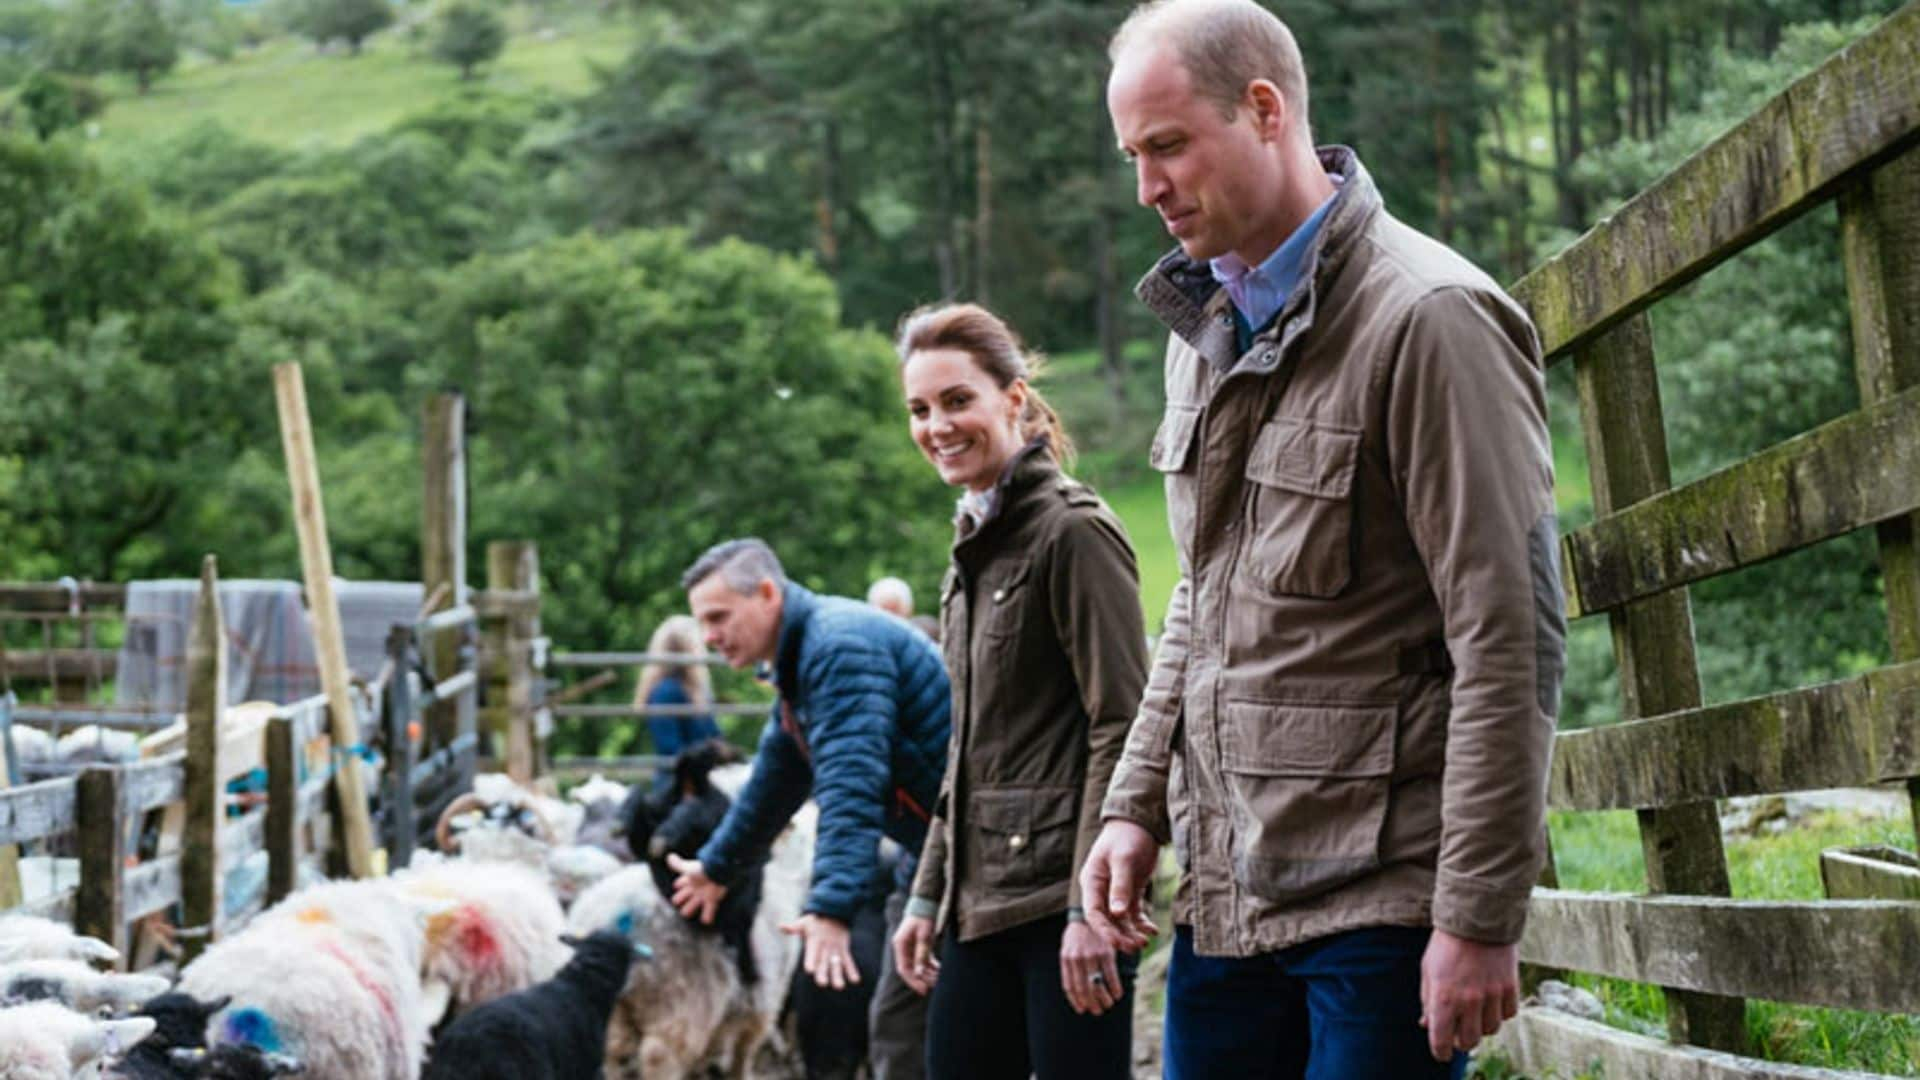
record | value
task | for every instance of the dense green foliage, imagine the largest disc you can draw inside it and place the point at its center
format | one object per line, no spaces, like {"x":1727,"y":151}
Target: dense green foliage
{"x":470,"y":35}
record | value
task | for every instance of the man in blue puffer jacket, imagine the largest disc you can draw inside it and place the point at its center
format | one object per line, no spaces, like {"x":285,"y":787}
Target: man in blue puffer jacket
{"x":861,"y":726}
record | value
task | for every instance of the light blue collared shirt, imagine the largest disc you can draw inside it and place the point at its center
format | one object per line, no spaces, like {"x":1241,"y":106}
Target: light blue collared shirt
{"x":1259,"y":292}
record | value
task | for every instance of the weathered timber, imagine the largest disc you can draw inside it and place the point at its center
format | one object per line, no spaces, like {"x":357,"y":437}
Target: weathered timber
{"x":1870,"y":873}
{"x":32,"y":665}
{"x":283,"y":811}
{"x":443,"y":546}
{"x":1880,"y":245}
{"x":1860,"y":469}
{"x":10,"y":886}
{"x":398,"y":716}
{"x":98,"y":907}
{"x":242,"y":838}
{"x":153,"y":886}
{"x":69,"y":716}
{"x":1620,"y":416}
{"x":200,"y":861}
{"x":432,"y":772}
{"x":1542,"y":1042}
{"x":506,"y":602}
{"x":1813,"y":953}
{"x":1847,"y":116}
{"x":41,"y":596}
{"x":153,"y":784}
{"x":316,"y":565}
{"x":456,"y":618}
{"x":35,"y":811}
{"x":1850,"y":733}
{"x":514,"y":566}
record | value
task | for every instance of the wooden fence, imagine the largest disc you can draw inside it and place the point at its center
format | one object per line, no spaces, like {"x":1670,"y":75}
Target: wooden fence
{"x":1845,"y":133}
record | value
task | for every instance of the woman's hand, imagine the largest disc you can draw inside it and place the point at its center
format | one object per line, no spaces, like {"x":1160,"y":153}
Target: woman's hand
{"x":913,"y":954}
{"x":1087,"y":970}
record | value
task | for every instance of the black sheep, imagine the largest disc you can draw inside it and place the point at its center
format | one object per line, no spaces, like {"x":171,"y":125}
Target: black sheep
{"x":831,"y":1025}
{"x":234,"y":1061}
{"x":556,"y":1030}
{"x":677,"y":820}
{"x":180,"y":1023}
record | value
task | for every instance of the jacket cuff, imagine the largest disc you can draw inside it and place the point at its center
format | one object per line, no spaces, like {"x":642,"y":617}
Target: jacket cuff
{"x":718,"y":868}
{"x":922,"y":908}
{"x":1480,"y":912}
{"x":831,"y":908}
{"x":1126,"y":807}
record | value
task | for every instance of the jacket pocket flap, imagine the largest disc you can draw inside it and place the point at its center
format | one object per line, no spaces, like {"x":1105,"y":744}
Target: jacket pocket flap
{"x":1023,"y":810}
{"x":1262,"y":739}
{"x":1173,"y":442}
{"x":1305,"y":458}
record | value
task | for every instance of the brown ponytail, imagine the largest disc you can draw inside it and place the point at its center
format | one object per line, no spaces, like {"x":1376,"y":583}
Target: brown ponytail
{"x":999,"y":352}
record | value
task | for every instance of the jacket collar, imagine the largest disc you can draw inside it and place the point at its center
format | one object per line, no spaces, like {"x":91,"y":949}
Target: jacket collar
{"x":797,"y":605}
{"x":1030,"y":465}
{"x":1183,"y":293}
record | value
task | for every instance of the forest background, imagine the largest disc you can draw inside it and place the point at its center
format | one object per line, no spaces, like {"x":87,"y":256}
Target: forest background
{"x":659,"y":246}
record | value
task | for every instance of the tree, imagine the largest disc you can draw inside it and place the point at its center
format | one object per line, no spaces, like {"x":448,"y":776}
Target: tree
{"x":352,"y":21}
{"x":55,"y":102}
{"x":142,"y":41}
{"x":470,"y":35}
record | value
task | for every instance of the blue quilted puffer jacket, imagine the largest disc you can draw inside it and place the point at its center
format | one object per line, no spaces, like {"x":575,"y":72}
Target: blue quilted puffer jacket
{"x":861,"y":726}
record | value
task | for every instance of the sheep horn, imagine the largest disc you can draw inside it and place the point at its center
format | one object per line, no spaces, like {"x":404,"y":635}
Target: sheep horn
{"x":443,"y":829}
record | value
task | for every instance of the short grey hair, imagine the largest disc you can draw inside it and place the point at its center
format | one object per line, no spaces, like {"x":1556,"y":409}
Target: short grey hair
{"x":743,"y":564}
{"x":1224,"y":44}
{"x":890,"y":588}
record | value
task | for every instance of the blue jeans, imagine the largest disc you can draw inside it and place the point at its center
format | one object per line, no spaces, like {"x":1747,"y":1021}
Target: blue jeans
{"x":1344,"y":1007}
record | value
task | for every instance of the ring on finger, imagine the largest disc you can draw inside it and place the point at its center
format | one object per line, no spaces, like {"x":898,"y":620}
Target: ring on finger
{"x":1098,"y":978}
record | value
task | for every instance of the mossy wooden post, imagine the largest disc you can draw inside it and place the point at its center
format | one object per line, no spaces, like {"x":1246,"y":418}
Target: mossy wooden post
{"x":283,"y":810}
{"x":443,"y":546}
{"x":1880,"y":243}
{"x":9,"y":853}
{"x":1653,"y":643}
{"x":397,"y":716}
{"x":99,"y":907}
{"x":513,"y":571}
{"x":206,"y":703}
{"x":316,"y":565}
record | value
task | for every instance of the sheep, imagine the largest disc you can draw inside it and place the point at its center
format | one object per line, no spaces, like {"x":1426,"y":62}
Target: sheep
{"x":97,"y":745}
{"x":30,"y":937}
{"x":601,"y":826}
{"x":573,"y":870}
{"x":234,"y":1062}
{"x":180,"y":1023}
{"x":72,"y":983}
{"x":554,"y":1031}
{"x":500,"y":932}
{"x":331,"y":975}
{"x":31,"y":746}
{"x":46,"y":1041}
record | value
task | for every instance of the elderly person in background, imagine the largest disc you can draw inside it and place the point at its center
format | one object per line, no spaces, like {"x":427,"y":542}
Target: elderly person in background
{"x":893,"y":596}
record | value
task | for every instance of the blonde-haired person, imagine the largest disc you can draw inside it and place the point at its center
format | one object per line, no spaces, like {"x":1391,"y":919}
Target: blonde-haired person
{"x":1044,"y":647}
{"x":680,"y":683}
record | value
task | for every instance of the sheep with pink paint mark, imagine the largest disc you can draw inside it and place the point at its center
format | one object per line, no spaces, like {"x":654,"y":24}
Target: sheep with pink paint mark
{"x":498,"y":932}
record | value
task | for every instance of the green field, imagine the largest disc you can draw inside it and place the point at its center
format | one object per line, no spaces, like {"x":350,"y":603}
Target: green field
{"x":289,"y":93}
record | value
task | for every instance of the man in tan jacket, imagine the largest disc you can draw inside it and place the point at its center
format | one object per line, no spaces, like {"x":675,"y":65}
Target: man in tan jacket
{"x":1346,"y":731}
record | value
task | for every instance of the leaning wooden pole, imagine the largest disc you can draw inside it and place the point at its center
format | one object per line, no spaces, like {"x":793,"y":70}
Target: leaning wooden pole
{"x":206,"y":704}
{"x":316,"y":566}
{"x":443,"y":544}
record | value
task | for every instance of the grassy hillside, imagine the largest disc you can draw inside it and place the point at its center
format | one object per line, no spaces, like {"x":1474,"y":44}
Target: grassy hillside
{"x":289,"y":93}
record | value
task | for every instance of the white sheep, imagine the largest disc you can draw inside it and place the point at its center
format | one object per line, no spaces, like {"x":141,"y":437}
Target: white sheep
{"x":330,"y":976}
{"x":573,"y":870}
{"x":500,"y":931}
{"x":97,"y":744}
{"x":30,"y":937}
{"x":73,"y":984}
{"x":31,"y":746}
{"x":45,"y":1041}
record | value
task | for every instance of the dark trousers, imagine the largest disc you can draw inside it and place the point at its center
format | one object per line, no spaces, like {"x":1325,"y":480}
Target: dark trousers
{"x":1000,"y":1013}
{"x":1343,"y":1007}
{"x":899,"y":1018}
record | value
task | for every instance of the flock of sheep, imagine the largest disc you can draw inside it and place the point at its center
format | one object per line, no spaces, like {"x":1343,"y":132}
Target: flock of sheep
{"x":534,"y":944}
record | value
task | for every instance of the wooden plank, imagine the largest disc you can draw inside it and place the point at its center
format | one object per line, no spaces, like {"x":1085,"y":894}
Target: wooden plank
{"x":241,"y":838}
{"x":312,"y":799}
{"x":200,"y":856}
{"x":514,"y":565}
{"x":283,"y":812}
{"x":443,"y":541}
{"x":456,"y":618}
{"x":10,"y":888}
{"x":58,"y":907}
{"x":1620,"y":416}
{"x":1850,"y":733}
{"x":48,"y":596}
{"x":399,"y":715}
{"x":153,"y":784}
{"x":502,"y":603}
{"x":1847,"y":954}
{"x":452,"y":687}
{"x":1880,"y":247}
{"x":316,"y":565}
{"x":1851,"y":113}
{"x":1852,"y":472}
{"x":153,"y":886}
{"x":433,"y":771}
{"x":631,"y":659}
{"x":32,"y":665}
{"x":36,"y":811}
{"x":628,"y":712}
{"x":69,"y":716}
{"x":1870,"y":873}
{"x":1542,"y":1042}
{"x":98,"y":908}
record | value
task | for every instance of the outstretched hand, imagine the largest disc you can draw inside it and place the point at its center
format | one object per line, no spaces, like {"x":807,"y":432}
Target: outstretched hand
{"x":828,"y":956}
{"x":695,"y":895}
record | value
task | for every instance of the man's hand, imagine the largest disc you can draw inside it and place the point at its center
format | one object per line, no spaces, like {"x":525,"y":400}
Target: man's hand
{"x":913,"y":954}
{"x":1088,"y":971}
{"x":1467,"y":989}
{"x":1113,"y":885}
{"x":829,"y":953}
{"x":694,"y":894}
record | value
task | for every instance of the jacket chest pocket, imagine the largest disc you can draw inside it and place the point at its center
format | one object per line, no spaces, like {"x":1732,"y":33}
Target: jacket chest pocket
{"x":997,"y":602}
{"x":1308,"y":789}
{"x":1173,"y":455}
{"x":1299,"y":507}
{"x":1022,"y":838}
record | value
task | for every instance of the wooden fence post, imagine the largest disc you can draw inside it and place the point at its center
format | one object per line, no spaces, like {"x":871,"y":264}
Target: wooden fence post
{"x":99,"y":909}
{"x":398,"y":713}
{"x":316,"y":564}
{"x":283,"y":810}
{"x":1653,"y":643}
{"x":1880,"y":245}
{"x":513,"y":567}
{"x":206,"y":704}
{"x":443,"y":547}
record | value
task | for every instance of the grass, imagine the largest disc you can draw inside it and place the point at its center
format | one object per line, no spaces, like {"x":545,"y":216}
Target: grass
{"x":288,"y":93}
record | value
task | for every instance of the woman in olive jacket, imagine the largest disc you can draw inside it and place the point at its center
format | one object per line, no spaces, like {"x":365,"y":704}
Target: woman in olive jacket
{"x":1041,"y":628}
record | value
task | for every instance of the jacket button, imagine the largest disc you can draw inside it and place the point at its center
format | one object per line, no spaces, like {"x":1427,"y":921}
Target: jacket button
{"x":1016,"y":841}
{"x":1267,"y":357}
{"x":999,"y":595}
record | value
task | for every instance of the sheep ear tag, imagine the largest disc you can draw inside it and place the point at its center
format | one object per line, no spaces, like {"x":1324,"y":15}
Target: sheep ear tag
{"x":643,"y":950}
